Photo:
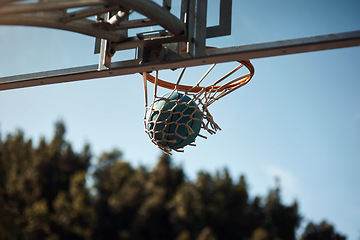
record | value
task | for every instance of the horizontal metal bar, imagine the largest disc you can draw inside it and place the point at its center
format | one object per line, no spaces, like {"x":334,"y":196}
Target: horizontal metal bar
{"x":285,"y":47}
{"x":5,"y":2}
{"x":47,"y":6}
{"x":261,"y":50}
{"x":135,"y":42}
{"x":138,"y":23}
{"x":155,"y":12}
{"x":86,"y":12}
{"x":84,"y":26}
{"x":40,"y":78}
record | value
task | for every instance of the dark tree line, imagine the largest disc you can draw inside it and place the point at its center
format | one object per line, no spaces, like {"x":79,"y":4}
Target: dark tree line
{"x":44,"y":195}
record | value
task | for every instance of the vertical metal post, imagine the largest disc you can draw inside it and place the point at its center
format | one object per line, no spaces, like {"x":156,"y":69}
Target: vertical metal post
{"x":105,"y":58}
{"x":196,"y":27}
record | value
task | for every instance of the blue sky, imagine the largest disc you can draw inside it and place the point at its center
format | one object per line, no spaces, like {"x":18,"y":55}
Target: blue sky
{"x":298,"y":119}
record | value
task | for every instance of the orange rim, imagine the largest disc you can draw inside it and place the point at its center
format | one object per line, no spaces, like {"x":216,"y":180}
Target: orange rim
{"x":193,"y":89}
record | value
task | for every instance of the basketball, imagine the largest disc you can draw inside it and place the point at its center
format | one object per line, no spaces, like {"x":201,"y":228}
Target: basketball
{"x":174,"y":121}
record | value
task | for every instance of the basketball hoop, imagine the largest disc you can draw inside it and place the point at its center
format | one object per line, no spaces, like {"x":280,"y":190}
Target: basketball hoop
{"x":201,"y":96}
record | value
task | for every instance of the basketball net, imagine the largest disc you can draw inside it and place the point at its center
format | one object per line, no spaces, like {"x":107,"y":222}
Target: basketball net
{"x":203,"y":96}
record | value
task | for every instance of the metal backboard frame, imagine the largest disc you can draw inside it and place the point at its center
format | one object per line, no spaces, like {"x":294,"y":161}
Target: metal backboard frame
{"x":180,"y":42}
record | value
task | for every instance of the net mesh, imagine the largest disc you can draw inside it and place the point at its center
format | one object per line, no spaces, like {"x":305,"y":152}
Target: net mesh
{"x":163,"y":121}
{"x":170,"y":123}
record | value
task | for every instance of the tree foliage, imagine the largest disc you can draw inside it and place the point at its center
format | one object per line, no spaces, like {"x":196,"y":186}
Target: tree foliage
{"x":321,"y":231}
{"x":44,"y":194}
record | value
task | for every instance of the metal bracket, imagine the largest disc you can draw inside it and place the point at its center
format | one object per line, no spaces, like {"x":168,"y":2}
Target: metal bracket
{"x":224,"y":27}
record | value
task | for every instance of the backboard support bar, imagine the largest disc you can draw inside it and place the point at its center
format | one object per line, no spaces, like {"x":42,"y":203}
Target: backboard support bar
{"x":173,"y":60}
